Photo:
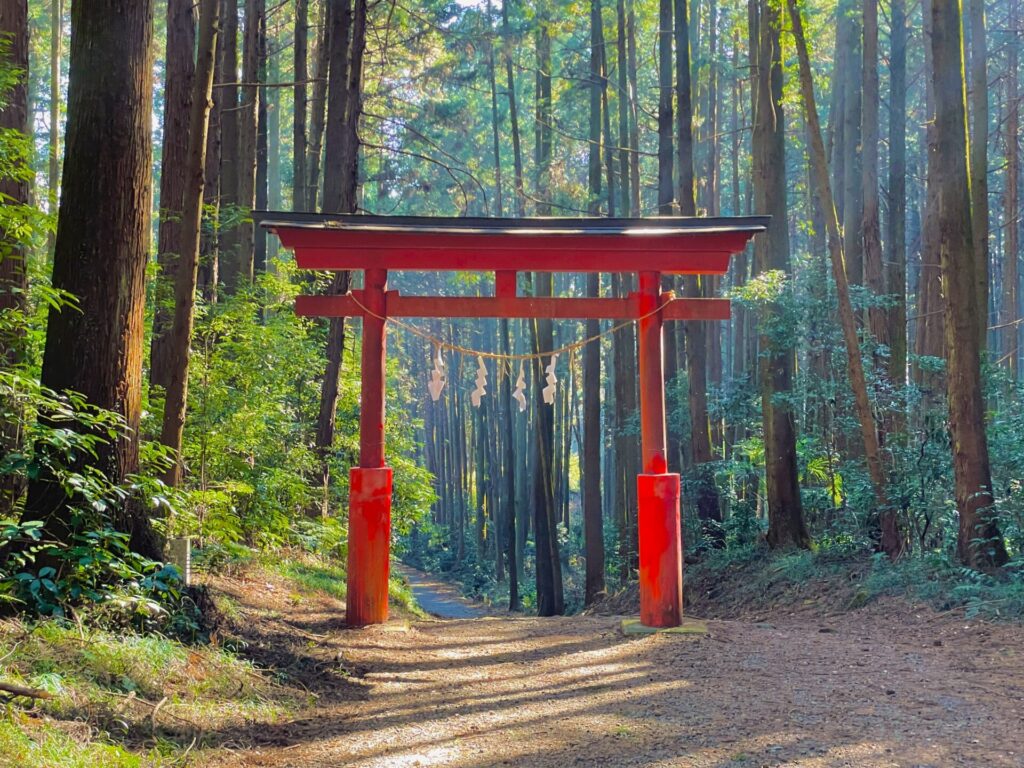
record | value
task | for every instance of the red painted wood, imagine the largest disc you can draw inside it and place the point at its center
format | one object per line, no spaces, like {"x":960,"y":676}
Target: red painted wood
{"x":661,"y":553}
{"x":371,"y":406}
{"x":672,"y":253}
{"x":513,"y":307}
{"x":652,"y":379}
{"x":505,"y":284}
{"x":369,"y":545}
{"x":644,"y":248}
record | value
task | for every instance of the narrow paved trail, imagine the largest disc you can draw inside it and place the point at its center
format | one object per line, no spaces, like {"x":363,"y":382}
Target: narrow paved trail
{"x":437,"y":597}
{"x":885,"y":687}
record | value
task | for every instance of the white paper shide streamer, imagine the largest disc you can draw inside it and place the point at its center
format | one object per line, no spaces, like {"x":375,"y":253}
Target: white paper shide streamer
{"x":520,"y":393}
{"x":481,"y":383}
{"x":437,"y":377}
{"x":549,"y":391}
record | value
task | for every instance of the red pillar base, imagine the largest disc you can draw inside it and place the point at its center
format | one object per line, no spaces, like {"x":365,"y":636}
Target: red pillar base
{"x":369,"y":546}
{"x":661,"y":558}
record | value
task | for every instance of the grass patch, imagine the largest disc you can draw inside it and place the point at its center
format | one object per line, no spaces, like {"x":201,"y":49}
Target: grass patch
{"x":329,"y":577}
{"x":105,"y":688}
{"x":946,"y":585}
{"x":29,"y":743}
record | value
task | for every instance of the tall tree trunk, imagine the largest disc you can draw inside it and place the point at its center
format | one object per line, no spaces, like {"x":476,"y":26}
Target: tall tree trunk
{"x":634,"y":140}
{"x":272,"y":191}
{"x":978,"y":170}
{"x":259,"y":236}
{"x":593,"y":528}
{"x":318,"y":106}
{"x":853,"y":197}
{"x":1009,"y":330}
{"x":508,"y":492}
{"x":980,"y":544}
{"x":239,"y":271}
{"x":684,"y":112}
{"x":179,"y":338}
{"x":180,"y":70}
{"x":666,"y":192}
{"x":874,"y":274}
{"x":341,"y":184}
{"x":931,"y":302}
{"x":495,"y":128}
{"x":102,"y":246}
{"x":622,"y":99}
{"x":209,"y":244}
{"x":56,"y":42}
{"x":228,"y":268}
{"x":300,"y":65}
{"x":513,"y":113}
{"x":542,"y":120}
{"x":14,"y":191}
{"x":705,"y":490}
{"x":550,"y":600}
{"x":892,"y":541}
{"x":785,"y":510}
{"x":896,"y":269}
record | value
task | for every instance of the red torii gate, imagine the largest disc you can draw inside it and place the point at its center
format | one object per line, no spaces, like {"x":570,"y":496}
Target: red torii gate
{"x":648,"y":247}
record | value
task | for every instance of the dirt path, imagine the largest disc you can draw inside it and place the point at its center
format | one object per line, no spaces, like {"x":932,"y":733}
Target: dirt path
{"x":885,"y":686}
{"x":436,"y":597}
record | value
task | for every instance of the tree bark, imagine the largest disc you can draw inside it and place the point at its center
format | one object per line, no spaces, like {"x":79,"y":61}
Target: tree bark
{"x":300,"y":65}
{"x":228,"y":266}
{"x":896,"y":237}
{"x":786,"y":526}
{"x":508,"y":494}
{"x":978,"y":170}
{"x":705,"y":491}
{"x":550,"y":600}
{"x":347,"y":38}
{"x":318,"y":106}
{"x":187,"y":273}
{"x":593,"y":524}
{"x":258,"y":237}
{"x":666,"y":192}
{"x":495,"y":128}
{"x":242,"y":267}
{"x":631,"y":94}
{"x":929,"y":334}
{"x":874,"y":272}
{"x":180,"y":67}
{"x":56,"y":43}
{"x":513,"y":113}
{"x":1009,"y":331}
{"x":14,"y":191}
{"x":684,"y":112}
{"x":980,"y":543}
{"x":892,"y":541}
{"x":102,"y":246}
{"x":853,"y":198}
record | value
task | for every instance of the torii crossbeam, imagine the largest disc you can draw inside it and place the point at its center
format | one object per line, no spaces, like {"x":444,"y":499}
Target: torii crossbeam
{"x":650,"y":248}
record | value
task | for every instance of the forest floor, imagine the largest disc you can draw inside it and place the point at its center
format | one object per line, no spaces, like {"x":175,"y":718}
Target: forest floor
{"x":889,"y":684}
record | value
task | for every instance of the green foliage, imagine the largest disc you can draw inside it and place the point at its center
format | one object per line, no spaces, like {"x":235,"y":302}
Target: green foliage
{"x":254,"y":473}
{"x":95,"y":569}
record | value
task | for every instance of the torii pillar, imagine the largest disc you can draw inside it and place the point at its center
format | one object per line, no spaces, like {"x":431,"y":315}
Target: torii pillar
{"x":369,"y":522}
{"x":658,"y":526}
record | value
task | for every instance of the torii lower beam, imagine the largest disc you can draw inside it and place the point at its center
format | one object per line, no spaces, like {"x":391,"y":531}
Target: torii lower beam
{"x":647,"y":247}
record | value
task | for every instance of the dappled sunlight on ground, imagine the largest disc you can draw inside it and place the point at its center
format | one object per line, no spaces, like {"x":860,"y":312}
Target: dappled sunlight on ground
{"x":864,"y":690}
